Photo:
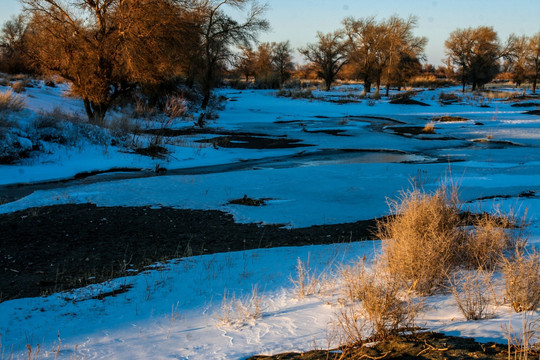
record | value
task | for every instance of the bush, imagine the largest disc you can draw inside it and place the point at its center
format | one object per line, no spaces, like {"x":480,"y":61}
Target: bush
{"x":19,"y":86}
{"x":10,"y":102}
{"x":296,"y":94}
{"x":448,"y":98}
{"x":490,"y":238}
{"x":58,"y":126}
{"x":473,"y":293}
{"x":385,"y":308}
{"x":422,"y":239}
{"x":522,"y":281}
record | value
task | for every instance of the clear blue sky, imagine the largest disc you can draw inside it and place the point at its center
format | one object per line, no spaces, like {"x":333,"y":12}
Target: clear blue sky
{"x":299,"y":20}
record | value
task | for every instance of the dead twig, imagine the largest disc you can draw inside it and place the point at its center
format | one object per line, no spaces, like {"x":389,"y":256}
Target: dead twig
{"x":431,"y":347}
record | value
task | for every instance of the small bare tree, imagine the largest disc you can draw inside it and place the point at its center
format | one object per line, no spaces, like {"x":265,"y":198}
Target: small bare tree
{"x":328,"y":55}
{"x":282,"y":61}
{"x":533,"y":59}
{"x":13,"y":44}
{"x":218,"y":33}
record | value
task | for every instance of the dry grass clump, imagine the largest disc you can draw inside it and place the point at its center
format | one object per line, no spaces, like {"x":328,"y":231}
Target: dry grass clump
{"x":489,"y":240}
{"x":448,"y":98}
{"x":473,"y":293}
{"x":11,"y":102}
{"x":237,"y":312}
{"x":379,"y":306}
{"x":522,"y":280}
{"x":422,"y":238}
{"x":307,"y":283}
{"x":524,"y":342}
{"x":19,"y":86}
{"x":429,"y":128}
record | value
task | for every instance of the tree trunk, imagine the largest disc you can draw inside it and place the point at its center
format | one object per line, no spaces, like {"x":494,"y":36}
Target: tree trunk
{"x":367,"y":86}
{"x":387,"y":89}
{"x":95,"y":112}
{"x":328,"y":84}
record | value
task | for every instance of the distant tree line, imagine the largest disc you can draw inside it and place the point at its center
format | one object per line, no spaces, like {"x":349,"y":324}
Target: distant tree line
{"x":110,"y":48}
{"x":479,"y":56}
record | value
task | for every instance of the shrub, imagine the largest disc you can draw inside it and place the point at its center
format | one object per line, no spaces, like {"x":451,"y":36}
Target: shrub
{"x":403,"y":96}
{"x":385,"y":308}
{"x":296,"y":94}
{"x":473,"y":293}
{"x":490,"y":238}
{"x":522,"y":280}
{"x":58,"y":126}
{"x":122,"y":126}
{"x":175,"y":107}
{"x":448,"y":98}
{"x":19,"y":86}
{"x":10,"y":102}
{"x":422,"y":239}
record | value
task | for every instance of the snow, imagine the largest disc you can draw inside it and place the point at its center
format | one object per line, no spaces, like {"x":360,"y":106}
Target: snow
{"x":173,"y":310}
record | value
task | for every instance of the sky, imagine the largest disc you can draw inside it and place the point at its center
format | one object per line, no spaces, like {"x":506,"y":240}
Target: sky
{"x":299,"y":20}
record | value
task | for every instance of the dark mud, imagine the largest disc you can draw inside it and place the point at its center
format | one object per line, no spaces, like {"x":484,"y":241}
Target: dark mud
{"x":54,"y":248}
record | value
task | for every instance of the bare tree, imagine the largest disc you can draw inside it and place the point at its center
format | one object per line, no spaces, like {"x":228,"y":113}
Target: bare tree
{"x":12,"y":44}
{"x":328,"y":55}
{"x":246,"y":62}
{"x":367,"y":41}
{"x":403,"y":50}
{"x":219,"y":32}
{"x":533,"y":59}
{"x":516,"y":58}
{"x":476,"y":52}
{"x":102,"y":46}
{"x":282,"y":61}
{"x":264,"y":70}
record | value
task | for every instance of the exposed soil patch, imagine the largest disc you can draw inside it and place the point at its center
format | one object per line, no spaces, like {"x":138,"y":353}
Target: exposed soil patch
{"x":532,"y":112}
{"x":253,"y":142}
{"x":334,"y":132}
{"x":410,"y":131}
{"x":496,"y":143}
{"x":287,"y":121}
{"x":344,"y":101}
{"x":247,"y":201}
{"x":86,"y":174}
{"x":154,"y":151}
{"x":405,"y":101}
{"x":426,"y":345}
{"x":54,"y":248}
{"x":196,"y":131}
{"x":450,"y":119}
{"x":526,"y":104}
{"x":524,"y":194}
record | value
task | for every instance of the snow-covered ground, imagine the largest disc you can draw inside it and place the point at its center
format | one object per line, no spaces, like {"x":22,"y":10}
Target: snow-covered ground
{"x":174,"y":310}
